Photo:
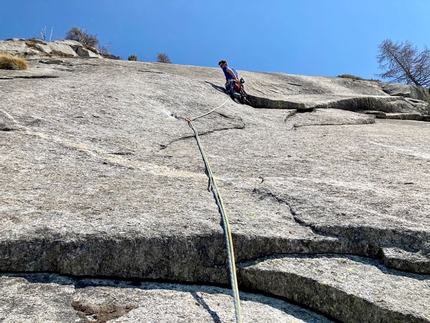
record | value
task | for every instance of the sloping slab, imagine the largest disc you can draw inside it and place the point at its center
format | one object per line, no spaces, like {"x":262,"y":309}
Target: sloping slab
{"x":287,"y":91}
{"x":101,"y":176}
{"x":52,"y":298}
{"x":350,"y":289}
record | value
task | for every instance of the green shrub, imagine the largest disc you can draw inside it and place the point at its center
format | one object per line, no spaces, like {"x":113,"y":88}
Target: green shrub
{"x":132,"y":58}
{"x":9,"y":62}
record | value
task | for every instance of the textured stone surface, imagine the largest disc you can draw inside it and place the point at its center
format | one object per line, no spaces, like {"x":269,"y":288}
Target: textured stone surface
{"x":100,"y":175}
{"x":276,"y":90}
{"x":17,"y":47}
{"x":53,"y":298}
{"x":350,"y":289}
{"x":36,"y":47}
{"x":406,"y":90}
{"x":21,"y":301}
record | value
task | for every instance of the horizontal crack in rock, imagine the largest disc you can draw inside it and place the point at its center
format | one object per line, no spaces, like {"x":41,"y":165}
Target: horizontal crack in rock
{"x":264,"y":103}
{"x":164,"y":146}
{"x":311,"y":281}
{"x":28,"y":77}
{"x":359,"y":247}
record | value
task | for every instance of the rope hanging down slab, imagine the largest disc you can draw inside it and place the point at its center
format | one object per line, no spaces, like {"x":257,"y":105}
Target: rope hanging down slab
{"x":226,"y":225}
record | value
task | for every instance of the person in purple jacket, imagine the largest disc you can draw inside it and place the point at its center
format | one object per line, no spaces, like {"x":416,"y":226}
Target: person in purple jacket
{"x":231,"y":77}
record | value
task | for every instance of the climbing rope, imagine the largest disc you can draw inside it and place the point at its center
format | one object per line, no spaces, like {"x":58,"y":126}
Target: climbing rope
{"x":221,"y":207}
{"x":209,"y":112}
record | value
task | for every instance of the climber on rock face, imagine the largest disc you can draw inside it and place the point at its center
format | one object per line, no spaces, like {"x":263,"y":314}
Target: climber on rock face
{"x":231,"y":77}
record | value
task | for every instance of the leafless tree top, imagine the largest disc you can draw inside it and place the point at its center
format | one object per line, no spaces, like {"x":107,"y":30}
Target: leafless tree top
{"x":163,"y":58}
{"x":82,"y":36}
{"x":403,"y":63}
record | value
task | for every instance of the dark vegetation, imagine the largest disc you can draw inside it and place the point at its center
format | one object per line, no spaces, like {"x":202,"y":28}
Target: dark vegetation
{"x":163,"y":58}
{"x":349,"y":76}
{"x":402,"y":63}
{"x":356,"y":78}
{"x":82,"y":36}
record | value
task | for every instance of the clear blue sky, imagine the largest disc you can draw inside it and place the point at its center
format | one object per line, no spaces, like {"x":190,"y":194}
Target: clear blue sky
{"x":308,"y":37}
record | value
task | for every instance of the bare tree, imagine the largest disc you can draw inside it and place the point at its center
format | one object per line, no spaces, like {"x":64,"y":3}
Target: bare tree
{"x":163,"y":58}
{"x":82,"y":36}
{"x":403,"y":63}
{"x":104,"y":50}
{"x":50,"y":35}
{"x":43,"y":33}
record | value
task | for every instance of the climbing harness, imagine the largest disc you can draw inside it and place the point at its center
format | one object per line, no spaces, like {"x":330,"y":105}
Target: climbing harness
{"x":221,"y":207}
